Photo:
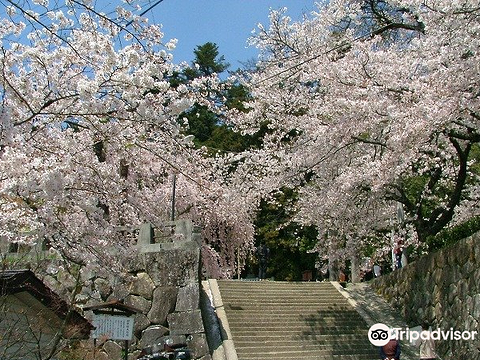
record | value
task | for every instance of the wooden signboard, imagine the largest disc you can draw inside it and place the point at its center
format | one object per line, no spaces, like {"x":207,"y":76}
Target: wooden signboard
{"x":112,"y":327}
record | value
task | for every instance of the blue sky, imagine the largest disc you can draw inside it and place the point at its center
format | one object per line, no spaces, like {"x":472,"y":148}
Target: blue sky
{"x":228,"y":23}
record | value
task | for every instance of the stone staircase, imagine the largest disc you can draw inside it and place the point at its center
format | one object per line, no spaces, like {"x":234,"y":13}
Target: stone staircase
{"x":295,"y":321}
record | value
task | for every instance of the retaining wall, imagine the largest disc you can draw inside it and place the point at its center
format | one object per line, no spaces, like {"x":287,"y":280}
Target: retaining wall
{"x":442,"y":288}
{"x":162,"y":282}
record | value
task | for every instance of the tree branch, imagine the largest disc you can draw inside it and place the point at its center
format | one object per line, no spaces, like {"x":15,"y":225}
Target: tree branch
{"x":368,"y":141}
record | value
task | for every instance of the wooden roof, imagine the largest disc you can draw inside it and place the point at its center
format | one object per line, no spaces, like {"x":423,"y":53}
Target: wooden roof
{"x":17,"y":281}
{"x":113,"y":307}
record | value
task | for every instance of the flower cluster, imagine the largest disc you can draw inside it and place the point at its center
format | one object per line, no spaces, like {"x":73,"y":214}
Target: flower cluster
{"x":90,"y":140}
{"x":370,"y":104}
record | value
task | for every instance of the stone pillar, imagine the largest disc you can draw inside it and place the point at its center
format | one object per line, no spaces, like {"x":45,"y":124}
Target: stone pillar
{"x":146,"y":234}
{"x":175,"y":269}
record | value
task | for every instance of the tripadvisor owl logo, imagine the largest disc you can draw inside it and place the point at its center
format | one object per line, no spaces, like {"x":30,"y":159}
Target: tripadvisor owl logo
{"x":379,"y":334}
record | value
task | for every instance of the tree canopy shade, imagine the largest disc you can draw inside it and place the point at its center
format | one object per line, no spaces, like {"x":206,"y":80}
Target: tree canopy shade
{"x":290,"y":244}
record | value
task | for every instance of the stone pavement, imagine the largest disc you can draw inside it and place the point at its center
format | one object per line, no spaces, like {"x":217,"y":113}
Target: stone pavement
{"x":375,"y":309}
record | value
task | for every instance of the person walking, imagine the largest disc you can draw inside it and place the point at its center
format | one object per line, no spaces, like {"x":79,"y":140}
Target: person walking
{"x":263,"y":253}
{"x":426,"y":344}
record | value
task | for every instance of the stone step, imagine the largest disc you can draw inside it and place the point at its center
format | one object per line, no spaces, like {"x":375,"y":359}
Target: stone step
{"x":307,"y":308}
{"x":289,"y":330}
{"x":241,"y":317}
{"x":282,"y":320}
{"x":298,"y":334}
{"x":285,"y":293}
{"x":263,"y":302}
{"x":275,"y":298}
{"x":325,"y":305}
{"x":262,"y":289}
{"x":320,"y":340}
{"x":277,"y":284}
{"x":245,"y":293}
{"x":270,"y":320}
{"x":348,"y":341}
{"x":305,"y":350}
{"x":290,"y":356}
{"x":329,"y":341}
{"x":301,"y":354}
{"x":281,"y":335}
{"x":286,"y":316}
{"x":303,"y":313}
{"x":333,"y":304}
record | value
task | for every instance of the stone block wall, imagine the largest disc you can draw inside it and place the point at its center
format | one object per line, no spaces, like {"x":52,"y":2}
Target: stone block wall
{"x":163,"y":285}
{"x":442,"y":288}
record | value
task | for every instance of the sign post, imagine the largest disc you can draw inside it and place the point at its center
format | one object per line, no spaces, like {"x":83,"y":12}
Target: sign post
{"x":113,"y":320}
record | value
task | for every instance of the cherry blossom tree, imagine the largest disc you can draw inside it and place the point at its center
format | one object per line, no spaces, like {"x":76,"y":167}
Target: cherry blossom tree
{"x":90,"y":136}
{"x":370,"y":104}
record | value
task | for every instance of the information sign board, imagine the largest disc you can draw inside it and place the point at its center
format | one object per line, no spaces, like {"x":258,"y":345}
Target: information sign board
{"x":112,"y":327}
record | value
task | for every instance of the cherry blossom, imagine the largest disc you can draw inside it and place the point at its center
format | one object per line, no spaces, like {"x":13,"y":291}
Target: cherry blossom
{"x":363,"y":100}
{"x":90,"y":139}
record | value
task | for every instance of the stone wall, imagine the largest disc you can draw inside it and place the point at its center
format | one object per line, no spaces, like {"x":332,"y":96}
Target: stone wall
{"x":163,"y":284}
{"x":442,"y":288}
{"x":165,"y":287}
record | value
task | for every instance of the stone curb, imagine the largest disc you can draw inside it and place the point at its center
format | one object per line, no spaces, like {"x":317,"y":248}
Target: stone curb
{"x":228,"y":345}
{"x":227,"y":350}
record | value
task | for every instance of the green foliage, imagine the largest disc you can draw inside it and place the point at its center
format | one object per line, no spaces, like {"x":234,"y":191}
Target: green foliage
{"x":207,"y":61}
{"x":224,"y":139}
{"x":475,"y":161}
{"x":450,"y":236}
{"x":209,"y":128}
{"x":236,"y":96}
{"x":288,"y":241}
{"x":202,"y":123}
